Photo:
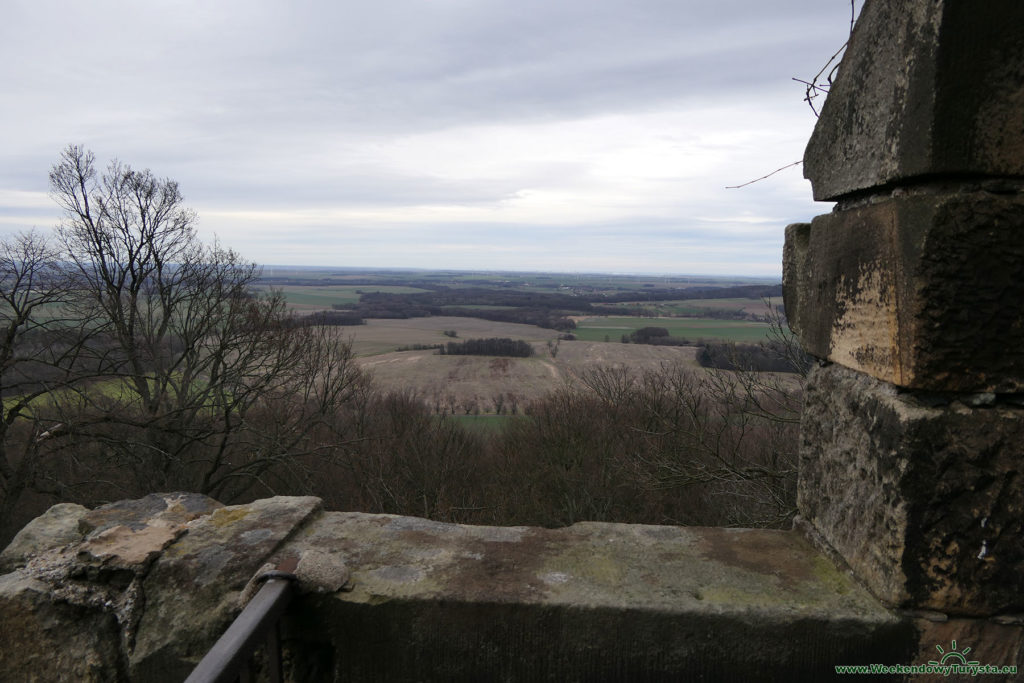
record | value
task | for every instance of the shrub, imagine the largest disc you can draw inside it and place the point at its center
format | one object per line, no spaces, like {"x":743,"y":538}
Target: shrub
{"x":515,"y":348}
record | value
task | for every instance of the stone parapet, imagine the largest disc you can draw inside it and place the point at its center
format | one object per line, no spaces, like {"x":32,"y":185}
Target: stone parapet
{"x":405,"y":599}
{"x":924,"y":502}
{"x":922,"y":289}
{"x":593,"y":601}
{"x":927,"y":87}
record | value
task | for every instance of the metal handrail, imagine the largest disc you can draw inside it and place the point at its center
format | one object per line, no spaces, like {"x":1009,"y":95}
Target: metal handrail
{"x":230,"y":657}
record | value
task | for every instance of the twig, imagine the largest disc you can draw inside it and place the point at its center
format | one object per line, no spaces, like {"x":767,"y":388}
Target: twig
{"x":736,"y":187}
{"x":814,"y":87}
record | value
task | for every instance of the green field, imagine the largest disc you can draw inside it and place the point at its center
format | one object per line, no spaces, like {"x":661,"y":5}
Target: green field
{"x":694,"y":307}
{"x":302,"y":297}
{"x":597,"y":328}
{"x":117,"y":389}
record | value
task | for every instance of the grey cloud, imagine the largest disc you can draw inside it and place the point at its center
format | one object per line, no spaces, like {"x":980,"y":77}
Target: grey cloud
{"x":257,"y":104}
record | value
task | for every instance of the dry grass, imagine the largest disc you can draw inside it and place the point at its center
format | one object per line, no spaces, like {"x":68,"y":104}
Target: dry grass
{"x":474,"y":382}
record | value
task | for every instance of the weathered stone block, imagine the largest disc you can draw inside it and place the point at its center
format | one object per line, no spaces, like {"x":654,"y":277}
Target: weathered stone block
{"x":431,"y":601}
{"x":920,"y":290}
{"x":925,"y":87}
{"x":392,"y":598}
{"x":192,"y":591}
{"x":167,"y":508}
{"x":44,"y":637}
{"x":926,"y":504}
{"x":56,"y":527}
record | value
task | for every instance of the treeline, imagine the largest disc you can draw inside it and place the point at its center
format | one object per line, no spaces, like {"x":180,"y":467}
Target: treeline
{"x":579,"y":301}
{"x":476,"y":296}
{"x":541,"y":317}
{"x":658,"y":447}
{"x":543,"y":309}
{"x":396,"y":306}
{"x":512,"y":348}
{"x":654,"y":336}
{"x":664,"y":294}
{"x":666,"y":446}
{"x":771,"y":356}
{"x":335,"y":318}
{"x":729,"y":314}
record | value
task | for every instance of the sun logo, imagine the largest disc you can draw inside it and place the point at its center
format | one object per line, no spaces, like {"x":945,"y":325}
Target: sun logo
{"x":953,"y":654}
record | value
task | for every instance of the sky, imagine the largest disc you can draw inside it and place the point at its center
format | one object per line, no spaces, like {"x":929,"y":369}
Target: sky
{"x":530,"y":135}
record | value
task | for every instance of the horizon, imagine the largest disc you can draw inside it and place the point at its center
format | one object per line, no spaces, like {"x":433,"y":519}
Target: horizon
{"x":516,"y":271}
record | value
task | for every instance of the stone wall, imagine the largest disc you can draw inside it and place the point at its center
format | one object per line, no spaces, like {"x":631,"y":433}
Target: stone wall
{"x":140,"y":590}
{"x":910,"y":294}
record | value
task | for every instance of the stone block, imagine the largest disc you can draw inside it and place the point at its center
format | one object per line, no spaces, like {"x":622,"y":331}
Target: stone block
{"x":921,"y":289}
{"x":125,"y":537}
{"x":192,"y":591}
{"x":926,"y":87}
{"x":46,"y":638}
{"x":169,"y":508}
{"x":926,"y":504}
{"x":431,"y":601}
{"x":395,"y":598}
{"x":56,"y":527}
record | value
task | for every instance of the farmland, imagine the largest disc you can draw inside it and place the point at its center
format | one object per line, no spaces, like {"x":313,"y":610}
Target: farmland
{"x":468,"y":384}
{"x":428,"y":307}
{"x":322,"y":297}
{"x":587,"y":427}
{"x":698,"y":307}
{"x":386,"y":335}
{"x":607,"y":328}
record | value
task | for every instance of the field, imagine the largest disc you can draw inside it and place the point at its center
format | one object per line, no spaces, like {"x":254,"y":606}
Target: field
{"x":698,"y":306}
{"x":306,"y":298}
{"x":474,"y":388}
{"x":611,"y":329}
{"x":474,"y":382}
{"x":382,"y":336}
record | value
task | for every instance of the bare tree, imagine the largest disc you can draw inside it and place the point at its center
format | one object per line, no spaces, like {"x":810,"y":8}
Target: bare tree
{"x":285,"y":432}
{"x":40,"y":350}
{"x":739,"y":430}
{"x":192,"y":351}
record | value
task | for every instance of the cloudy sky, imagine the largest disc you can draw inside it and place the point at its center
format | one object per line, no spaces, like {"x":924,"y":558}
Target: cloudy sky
{"x":565,"y":135}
